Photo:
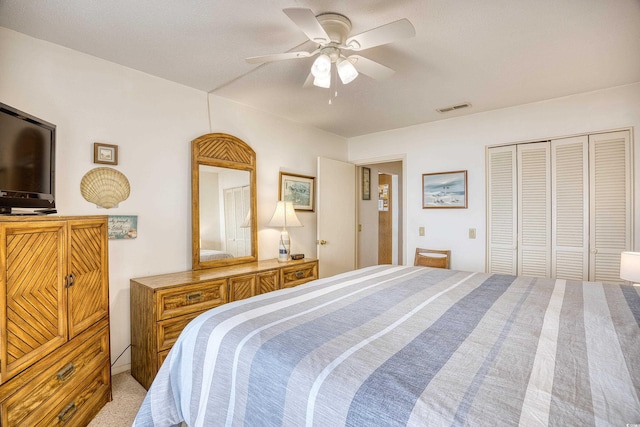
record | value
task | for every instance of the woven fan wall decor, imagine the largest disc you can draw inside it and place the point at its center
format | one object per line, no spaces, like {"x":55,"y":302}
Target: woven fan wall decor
{"x":106,"y":187}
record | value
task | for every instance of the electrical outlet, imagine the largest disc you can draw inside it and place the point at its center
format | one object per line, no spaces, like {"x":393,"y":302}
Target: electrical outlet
{"x":421,"y":231}
{"x":472,"y":233}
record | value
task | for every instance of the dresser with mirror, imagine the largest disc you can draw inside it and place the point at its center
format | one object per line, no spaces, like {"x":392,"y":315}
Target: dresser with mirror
{"x":225,"y":264}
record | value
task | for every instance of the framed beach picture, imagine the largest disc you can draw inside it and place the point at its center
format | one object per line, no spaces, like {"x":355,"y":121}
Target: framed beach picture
{"x":106,"y":154}
{"x":444,"y":190}
{"x":122,"y":226}
{"x":298,"y":189}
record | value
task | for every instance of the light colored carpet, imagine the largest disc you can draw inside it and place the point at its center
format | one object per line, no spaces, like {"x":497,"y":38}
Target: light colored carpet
{"x":127,"y":398}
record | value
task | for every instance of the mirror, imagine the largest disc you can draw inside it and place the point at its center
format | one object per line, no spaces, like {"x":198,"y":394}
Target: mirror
{"x":223,"y":183}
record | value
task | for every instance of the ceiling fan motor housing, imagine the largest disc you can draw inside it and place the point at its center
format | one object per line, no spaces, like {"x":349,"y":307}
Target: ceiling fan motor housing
{"x":336,"y":26}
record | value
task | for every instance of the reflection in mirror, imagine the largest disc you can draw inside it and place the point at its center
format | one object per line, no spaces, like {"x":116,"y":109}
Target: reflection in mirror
{"x":225,"y":209}
{"x":223,"y":201}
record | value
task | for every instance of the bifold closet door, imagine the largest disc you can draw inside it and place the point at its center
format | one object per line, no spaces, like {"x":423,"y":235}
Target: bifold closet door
{"x":611,"y":203}
{"x":570,"y":208}
{"x":502,"y":210}
{"x":534,"y":210}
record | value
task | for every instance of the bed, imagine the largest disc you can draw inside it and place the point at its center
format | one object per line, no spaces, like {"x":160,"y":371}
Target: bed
{"x":404,"y":345}
{"x":212,"y":254}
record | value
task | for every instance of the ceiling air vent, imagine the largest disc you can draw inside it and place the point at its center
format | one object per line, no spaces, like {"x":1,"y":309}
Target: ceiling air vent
{"x":453,"y":108}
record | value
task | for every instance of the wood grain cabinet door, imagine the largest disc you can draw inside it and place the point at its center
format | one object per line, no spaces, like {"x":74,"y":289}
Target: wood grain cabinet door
{"x":33,"y":298}
{"x":241,"y":287}
{"x":88,"y":283}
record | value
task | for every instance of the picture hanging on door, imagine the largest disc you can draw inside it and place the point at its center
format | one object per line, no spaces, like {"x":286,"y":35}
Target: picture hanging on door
{"x":297,"y":189}
{"x":366,"y":183}
{"x":444,"y":190}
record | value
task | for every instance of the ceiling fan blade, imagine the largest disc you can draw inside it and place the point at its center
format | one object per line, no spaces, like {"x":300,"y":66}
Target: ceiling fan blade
{"x":387,"y":33}
{"x":306,"y":20}
{"x":278,"y":57}
{"x":370,"y":68}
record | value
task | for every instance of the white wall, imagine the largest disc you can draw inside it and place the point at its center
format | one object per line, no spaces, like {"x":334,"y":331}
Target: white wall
{"x":152,"y":121}
{"x":280,"y":145}
{"x":459,"y":143}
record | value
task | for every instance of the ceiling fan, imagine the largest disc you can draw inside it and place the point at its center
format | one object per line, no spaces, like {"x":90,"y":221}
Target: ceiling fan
{"x":330,"y":31}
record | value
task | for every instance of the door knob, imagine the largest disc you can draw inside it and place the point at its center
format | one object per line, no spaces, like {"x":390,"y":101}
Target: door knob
{"x":322,"y":242}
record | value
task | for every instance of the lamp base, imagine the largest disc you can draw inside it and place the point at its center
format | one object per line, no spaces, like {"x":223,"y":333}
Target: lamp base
{"x":284,"y":247}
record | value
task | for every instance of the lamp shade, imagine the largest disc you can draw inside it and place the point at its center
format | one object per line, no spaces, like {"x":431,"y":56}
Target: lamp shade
{"x":284,"y":216}
{"x":321,"y":66}
{"x":247,"y":220}
{"x":323,"y":81}
{"x":346,"y":71}
{"x":630,"y":266}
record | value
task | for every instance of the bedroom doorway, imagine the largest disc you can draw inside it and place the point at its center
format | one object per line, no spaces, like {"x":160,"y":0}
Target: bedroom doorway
{"x":380,"y":214}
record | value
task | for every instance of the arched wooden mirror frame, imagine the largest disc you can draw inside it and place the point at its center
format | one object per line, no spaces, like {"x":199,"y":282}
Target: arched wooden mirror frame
{"x":223,"y":151}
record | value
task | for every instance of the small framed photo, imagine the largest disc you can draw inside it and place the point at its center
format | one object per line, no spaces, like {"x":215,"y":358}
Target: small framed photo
{"x":298,"y":189}
{"x":106,"y":154}
{"x":444,"y":190}
{"x":366,"y":183}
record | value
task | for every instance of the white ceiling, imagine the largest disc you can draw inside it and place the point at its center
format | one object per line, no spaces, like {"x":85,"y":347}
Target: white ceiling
{"x":491,"y":53}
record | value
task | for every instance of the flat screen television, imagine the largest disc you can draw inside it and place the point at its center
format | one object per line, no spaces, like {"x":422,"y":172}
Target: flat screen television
{"x":27,"y":163}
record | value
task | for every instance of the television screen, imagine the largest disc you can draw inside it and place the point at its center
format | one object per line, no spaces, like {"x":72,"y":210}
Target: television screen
{"x":27,"y":161}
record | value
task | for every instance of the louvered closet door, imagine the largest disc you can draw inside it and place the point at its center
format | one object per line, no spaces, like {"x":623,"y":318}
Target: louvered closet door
{"x":534,"y":208}
{"x":246,"y":231}
{"x":570,"y":208}
{"x":502,"y":210}
{"x":88,"y":265}
{"x":230,"y":222}
{"x":33,"y":299}
{"x":610,"y":212}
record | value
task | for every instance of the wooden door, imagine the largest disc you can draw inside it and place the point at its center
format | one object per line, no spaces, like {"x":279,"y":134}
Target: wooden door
{"x":385,"y":219}
{"x":336,"y":216}
{"x":33,"y":302}
{"x":88,"y":287}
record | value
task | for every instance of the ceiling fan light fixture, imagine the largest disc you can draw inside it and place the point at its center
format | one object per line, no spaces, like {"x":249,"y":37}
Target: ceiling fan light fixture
{"x":346,"y":71}
{"x":321,"y":66}
{"x":323,"y":81}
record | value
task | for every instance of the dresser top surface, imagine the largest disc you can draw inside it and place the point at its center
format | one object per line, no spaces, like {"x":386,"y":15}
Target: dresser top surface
{"x":208,"y":274}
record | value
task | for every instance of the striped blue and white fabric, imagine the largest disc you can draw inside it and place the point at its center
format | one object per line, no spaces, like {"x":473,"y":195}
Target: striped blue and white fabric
{"x":409,"y":346}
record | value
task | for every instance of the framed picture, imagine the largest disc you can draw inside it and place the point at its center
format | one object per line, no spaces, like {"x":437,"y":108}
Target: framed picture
{"x":122,"y":226}
{"x":105,"y":153}
{"x":444,"y":190}
{"x":298,"y":189}
{"x":366,"y":183}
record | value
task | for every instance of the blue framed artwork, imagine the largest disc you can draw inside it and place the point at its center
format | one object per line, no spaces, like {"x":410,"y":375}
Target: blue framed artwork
{"x":122,"y":226}
{"x":444,"y":190}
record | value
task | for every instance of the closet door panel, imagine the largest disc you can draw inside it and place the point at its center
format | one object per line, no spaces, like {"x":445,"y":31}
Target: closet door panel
{"x":570,"y":208}
{"x":534,"y":207}
{"x":610,"y":212}
{"x":502,"y":210}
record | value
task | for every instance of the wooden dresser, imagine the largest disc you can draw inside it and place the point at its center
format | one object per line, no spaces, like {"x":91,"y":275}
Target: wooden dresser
{"x":54,"y":320}
{"x":161,"y":306}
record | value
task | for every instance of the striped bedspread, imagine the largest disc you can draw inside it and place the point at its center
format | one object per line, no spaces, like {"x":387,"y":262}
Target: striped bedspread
{"x":398,"y":345}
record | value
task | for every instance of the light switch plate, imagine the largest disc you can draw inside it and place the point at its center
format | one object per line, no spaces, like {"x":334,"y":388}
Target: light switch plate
{"x":421,"y":231}
{"x":472,"y":233}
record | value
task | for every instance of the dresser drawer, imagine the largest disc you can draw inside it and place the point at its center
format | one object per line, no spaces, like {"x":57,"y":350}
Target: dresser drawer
{"x":194,"y":298}
{"x":169,"y":330}
{"x":82,"y":404}
{"x":56,"y":381}
{"x":299,"y":274}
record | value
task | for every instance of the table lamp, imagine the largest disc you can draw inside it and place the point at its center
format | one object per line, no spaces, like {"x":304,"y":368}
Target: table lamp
{"x":284,"y":216}
{"x":630,"y":266}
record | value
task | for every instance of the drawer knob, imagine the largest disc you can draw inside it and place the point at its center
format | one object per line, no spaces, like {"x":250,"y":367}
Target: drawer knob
{"x":67,"y":412}
{"x":299,"y":274}
{"x":66,"y":372}
{"x":71,"y":279}
{"x":196,"y":296}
